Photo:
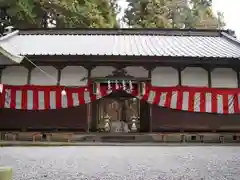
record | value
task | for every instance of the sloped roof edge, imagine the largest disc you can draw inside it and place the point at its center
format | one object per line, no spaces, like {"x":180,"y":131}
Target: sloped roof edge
{"x":13,"y":57}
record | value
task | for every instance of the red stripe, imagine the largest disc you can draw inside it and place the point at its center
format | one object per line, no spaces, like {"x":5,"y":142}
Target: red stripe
{"x":12,"y":99}
{"x":191,"y":101}
{"x":47,"y":99}
{"x":3,"y":97}
{"x":214,"y":103}
{"x":179,"y":99}
{"x":35,"y":100}
{"x":156,"y":99}
{"x":236,"y":103}
{"x":24,"y":99}
{"x":146,"y":94}
{"x":58,"y":98}
{"x":225,"y":103}
{"x":202,"y":102}
{"x":168,"y":99}
{"x":81,"y":97}
{"x":70,"y":99}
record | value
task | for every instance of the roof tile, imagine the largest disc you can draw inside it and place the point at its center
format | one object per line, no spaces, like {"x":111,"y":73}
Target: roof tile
{"x":124,"y":45}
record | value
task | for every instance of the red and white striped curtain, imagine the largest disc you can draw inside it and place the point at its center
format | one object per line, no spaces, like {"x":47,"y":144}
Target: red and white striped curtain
{"x":192,"y":99}
{"x":44,"y":97}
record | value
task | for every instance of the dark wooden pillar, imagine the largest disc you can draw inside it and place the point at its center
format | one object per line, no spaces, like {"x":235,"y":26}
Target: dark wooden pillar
{"x":209,"y":72}
{"x":238,"y":76}
{"x":145,"y":119}
{"x":92,"y":125}
{"x":1,"y":70}
{"x":145,"y":108}
{"x":29,"y":67}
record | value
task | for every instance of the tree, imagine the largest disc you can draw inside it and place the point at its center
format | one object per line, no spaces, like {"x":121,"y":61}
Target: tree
{"x":61,"y":13}
{"x":204,"y":16}
{"x":172,"y":14}
{"x":147,"y":14}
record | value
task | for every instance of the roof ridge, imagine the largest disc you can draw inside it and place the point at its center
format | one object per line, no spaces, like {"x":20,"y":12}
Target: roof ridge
{"x":123,"y":31}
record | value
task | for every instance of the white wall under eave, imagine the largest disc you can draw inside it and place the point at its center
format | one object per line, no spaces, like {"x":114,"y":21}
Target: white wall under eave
{"x":73,"y":75}
{"x":224,"y":78}
{"x":39,"y":78}
{"x":194,"y":76}
{"x":164,"y":76}
{"x":14,"y":75}
{"x":137,"y":71}
{"x":102,"y":71}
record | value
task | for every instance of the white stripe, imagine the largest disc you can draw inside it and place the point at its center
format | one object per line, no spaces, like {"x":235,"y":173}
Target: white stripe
{"x":231,"y":104}
{"x":64,"y":101}
{"x":52,"y":100}
{"x":30,"y":100}
{"x":197,"y":102}
{"x":75,"y":99}
{"x":87,"y":97}
{"x":185,"y":104}
{"x":163,"y":98}
{"x":174,"y":97}
{"x":208,"y":102}
{"x":151,"y":96}
{"x":219,"y":104}
{"x":41,"y":99}
{"x":18,"y":101}
{"x":7,"y":98}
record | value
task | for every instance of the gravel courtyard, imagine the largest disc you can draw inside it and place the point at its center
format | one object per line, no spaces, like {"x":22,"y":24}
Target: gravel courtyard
{"x":122,"y":163}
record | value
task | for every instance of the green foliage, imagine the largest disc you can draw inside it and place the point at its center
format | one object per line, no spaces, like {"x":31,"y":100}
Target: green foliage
{"x":103,"y":14}
{"x":61,"y":13}
{"x":172,"y":14}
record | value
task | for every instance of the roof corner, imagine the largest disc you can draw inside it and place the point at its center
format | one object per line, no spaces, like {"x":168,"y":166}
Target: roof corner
{"x":13,"y":57}
{"x":9,"y":35}
{"x":231,"y":38}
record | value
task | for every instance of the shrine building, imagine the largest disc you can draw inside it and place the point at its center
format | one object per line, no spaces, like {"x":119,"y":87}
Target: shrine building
{"x":87,"y":80}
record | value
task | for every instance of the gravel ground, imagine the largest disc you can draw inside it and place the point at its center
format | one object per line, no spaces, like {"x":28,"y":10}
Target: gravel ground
{"x":122,"y":163}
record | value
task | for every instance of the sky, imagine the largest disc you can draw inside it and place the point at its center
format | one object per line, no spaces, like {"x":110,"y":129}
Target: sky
{"x":230,"y":9}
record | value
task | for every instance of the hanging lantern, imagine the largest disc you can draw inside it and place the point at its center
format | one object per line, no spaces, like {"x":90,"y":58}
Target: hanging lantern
{"x":63,"y":92}
{"x":1,"y":88}
{"x":96,"y":88}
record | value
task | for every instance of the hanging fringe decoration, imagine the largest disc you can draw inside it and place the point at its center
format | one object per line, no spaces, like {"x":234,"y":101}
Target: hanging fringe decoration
{"x":116,"y":85}
{"x":142,"y":88}
{"x":96,"y":88}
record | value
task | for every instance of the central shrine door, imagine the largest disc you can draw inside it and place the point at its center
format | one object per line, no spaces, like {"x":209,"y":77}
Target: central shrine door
{"x":120,"y":109}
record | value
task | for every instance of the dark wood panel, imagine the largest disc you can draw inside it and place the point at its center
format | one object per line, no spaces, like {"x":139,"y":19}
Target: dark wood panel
{"x":164,"y":119}
{"x":71,"y":118}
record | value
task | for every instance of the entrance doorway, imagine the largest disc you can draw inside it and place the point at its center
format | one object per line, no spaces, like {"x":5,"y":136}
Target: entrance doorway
{"x":121,"y":108}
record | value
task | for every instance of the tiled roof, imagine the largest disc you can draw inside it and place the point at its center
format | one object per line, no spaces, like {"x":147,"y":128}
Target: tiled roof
{"x":175,"y":43}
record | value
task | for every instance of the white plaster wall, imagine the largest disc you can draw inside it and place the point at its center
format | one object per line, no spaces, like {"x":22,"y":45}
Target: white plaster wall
{"x":39,"y":78}
{"x":164,"y":76}
{"x":224,"y":78}
{"x":194,"y":76}
{"x":15,"y":75}
{"x":137,"y":71}
{"x":73,"y":75}
{"x":102,"y":71}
